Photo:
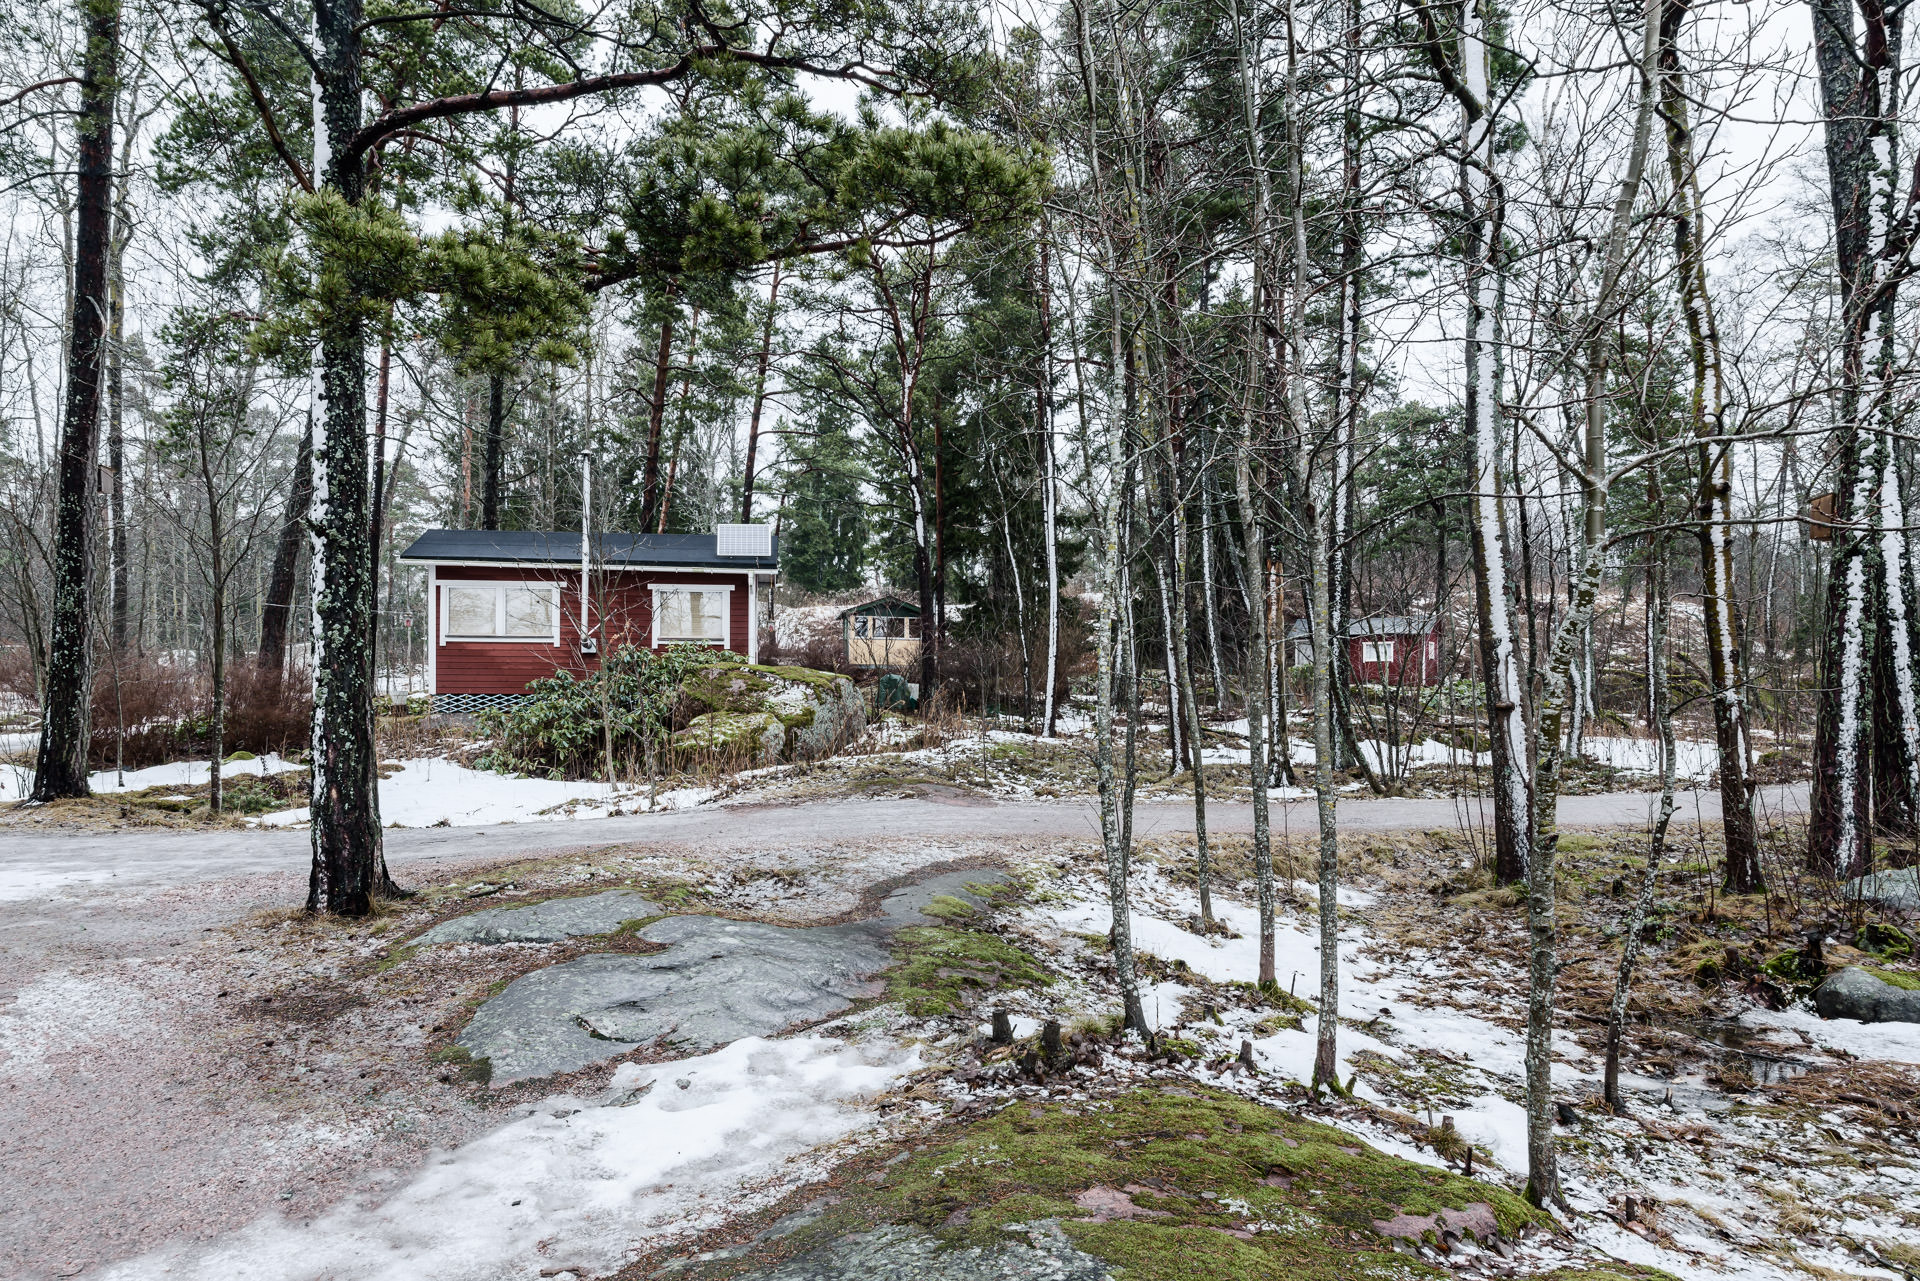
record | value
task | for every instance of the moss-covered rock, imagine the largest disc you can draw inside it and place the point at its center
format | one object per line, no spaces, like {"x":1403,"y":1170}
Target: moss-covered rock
{"x":733,"y":738}
{"x":1167,"y":1185}
{"x":817,"y":713}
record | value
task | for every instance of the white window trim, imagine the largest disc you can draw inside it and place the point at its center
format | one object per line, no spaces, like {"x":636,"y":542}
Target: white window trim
{"x":499,"y":610}
{"x":653,"y":611}
{"x":1377,"y":652}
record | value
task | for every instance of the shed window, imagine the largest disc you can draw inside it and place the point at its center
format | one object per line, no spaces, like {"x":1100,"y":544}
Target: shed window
{"x":1376,"y":651}
{"x":865,"y":626}
{"x":692,"y":614}
{"x":502,"y":611}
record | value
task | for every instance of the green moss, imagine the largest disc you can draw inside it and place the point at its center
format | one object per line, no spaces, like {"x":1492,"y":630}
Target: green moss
{"x":938,"y":969}
{"x":1896,"y":978}
{"x":478,"y":1070}
{"x":396,"y":957}
{"x":748,"y":734}
{"x":1212,"y":1164}
{"x":948,"y":908}
{"x":1888,"y":941}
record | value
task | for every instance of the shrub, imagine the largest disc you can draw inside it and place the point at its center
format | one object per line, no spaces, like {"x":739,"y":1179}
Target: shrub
{"x":167,"y":712}
{"x":559,"y":730}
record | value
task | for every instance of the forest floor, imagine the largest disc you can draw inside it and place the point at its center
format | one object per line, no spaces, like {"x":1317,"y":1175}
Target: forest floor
{"x":201,"y":1084}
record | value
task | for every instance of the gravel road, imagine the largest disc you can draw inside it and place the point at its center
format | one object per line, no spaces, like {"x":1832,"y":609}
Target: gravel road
{"x":41,"y":866}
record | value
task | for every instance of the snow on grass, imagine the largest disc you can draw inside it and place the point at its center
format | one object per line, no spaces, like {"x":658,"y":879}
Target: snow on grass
{"x":15,"y":783}
{"x":1408,"y":1028}
{"x":1710,"y":1225}
{"x":1692,"y":759}
{"x":436,"y":792}
{"x":710,"y":1138}
{"x":1897,"y":1042}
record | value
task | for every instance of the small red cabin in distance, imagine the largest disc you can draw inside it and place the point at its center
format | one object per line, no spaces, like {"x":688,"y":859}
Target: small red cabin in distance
{"x":504,"y":607}
{"x":1389,"y":650}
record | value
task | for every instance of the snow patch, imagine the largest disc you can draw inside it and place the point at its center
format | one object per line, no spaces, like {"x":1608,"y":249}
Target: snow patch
{"x":683,"y":1147}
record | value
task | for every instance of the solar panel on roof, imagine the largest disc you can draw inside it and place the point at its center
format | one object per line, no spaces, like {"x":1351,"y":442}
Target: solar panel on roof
{"x":743,"y":540}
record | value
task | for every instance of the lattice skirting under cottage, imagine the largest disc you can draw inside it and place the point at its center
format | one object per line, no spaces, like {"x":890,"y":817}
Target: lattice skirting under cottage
{"x":468,"y":704}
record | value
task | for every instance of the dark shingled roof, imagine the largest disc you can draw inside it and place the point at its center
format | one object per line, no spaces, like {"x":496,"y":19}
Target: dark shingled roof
{"x":884,"y":602}
{"x":1387,"y":625}
{"x":558,"y":547}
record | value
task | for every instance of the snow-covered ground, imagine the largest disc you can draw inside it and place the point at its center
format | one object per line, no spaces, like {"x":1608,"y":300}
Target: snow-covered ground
{"x":421,"y":792}
{"x":670,"y":1150}
{"x":15,"y":782}
{"x":436,"y":792}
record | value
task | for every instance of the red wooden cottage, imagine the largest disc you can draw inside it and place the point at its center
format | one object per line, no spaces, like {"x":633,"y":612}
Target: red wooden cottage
{"x":504,"y":607}
{"x":1389,"y":650}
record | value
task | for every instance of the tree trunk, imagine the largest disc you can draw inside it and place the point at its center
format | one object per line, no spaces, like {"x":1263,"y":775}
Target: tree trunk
{"x":1867,"y":733}
{"x":1259,"y":673}
{"x":121,"y":567}
{"x":493,"y":452}
{"x":1190,"y":709}
{"x":1111,"y":839}
{"x":60,"y":766}
{"x":1656,"y":847}
{"x":378,"y":520}
{"x":276,"y":615}
{"x":216,"y":551}
{"x":1584,"y":588}
{"x":759,"y":398}
{"x":349,"y":868}
{"x":1043,"y":416}
{"x":656,"y":420}
{"x":1499,"y":661}
{"x":1714,"y":496}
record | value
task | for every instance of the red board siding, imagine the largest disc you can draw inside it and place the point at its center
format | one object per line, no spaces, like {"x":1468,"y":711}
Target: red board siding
{"x":1409,"y":665}
{"x":505,"y":667}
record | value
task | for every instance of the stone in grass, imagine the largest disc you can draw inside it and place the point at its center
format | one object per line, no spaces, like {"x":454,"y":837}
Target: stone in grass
{"x":545,"y":922}
{"x":1857,"y":993}
{"x":1899,"y":889}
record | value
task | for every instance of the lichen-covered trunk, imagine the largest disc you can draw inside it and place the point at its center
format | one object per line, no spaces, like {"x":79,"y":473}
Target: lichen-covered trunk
{"x":349,"y":868}
{"x":1113,"y":839}
{"x":60,"y":765}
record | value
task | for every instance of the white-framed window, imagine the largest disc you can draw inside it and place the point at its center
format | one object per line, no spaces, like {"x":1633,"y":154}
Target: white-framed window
{"x":1376,"y":651}
{"x":866,"y":626}
{"x":527,"y":613}
{"x":696,"y":613}
{"x":1433,"y":650}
